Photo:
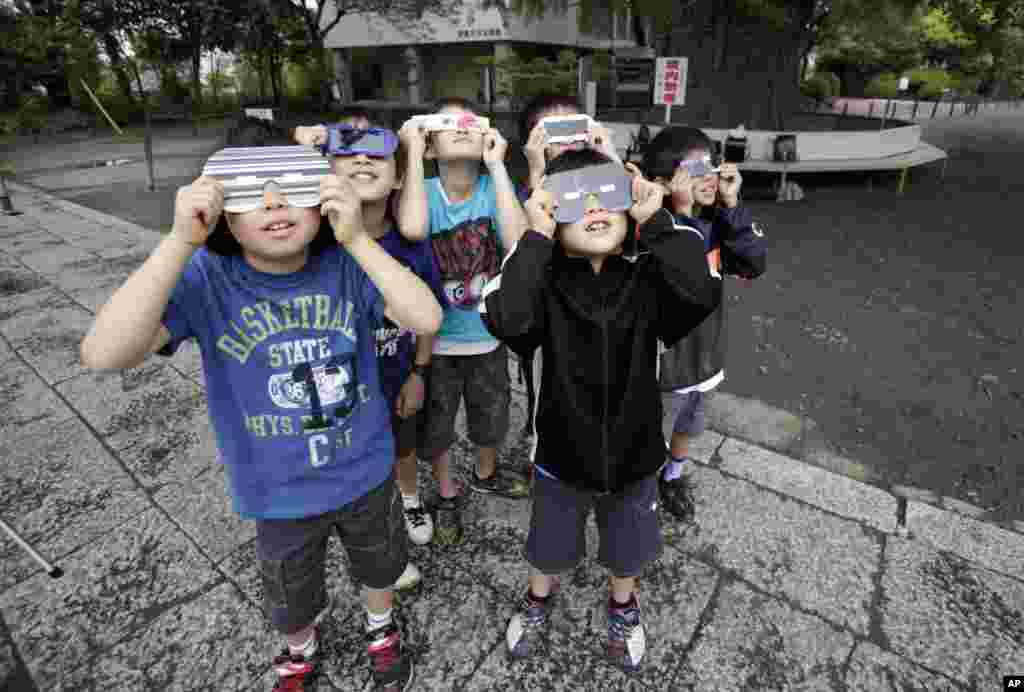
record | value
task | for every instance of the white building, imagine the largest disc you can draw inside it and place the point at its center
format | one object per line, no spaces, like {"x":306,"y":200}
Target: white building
{"x":415,"y":61}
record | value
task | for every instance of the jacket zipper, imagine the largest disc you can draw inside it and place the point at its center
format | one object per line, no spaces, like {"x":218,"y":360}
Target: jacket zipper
{"x":606,"y":375}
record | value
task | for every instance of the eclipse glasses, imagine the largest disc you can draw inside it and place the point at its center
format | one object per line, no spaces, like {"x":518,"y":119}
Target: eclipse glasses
{"x":607,"y":186}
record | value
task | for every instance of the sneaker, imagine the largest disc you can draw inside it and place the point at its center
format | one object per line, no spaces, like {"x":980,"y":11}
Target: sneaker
{"x":410,"y":577}
{"x":419,"y":524}
{"x":502,"y":482}
{"x":677,"y":496}
{"x":627,"y":640}
{"x":527,"y":630}
{"x":392,"y":671}
{"x":296,"y":673}
{"x":448,"y":521}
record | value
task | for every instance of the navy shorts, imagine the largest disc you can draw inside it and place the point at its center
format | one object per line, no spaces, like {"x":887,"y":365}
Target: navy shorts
{"x":291,"y":554}
{"x":683,"y":413}
{"x":627,"y":522}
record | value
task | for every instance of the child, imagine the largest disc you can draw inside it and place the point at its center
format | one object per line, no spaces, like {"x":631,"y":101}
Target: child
{"x":472,"y":220}
{"x":283,"y":302}
{"x":734,"y":245}
{"x":596,"y":317}
{"x":538,"y":154}
{"x":403,"y":359}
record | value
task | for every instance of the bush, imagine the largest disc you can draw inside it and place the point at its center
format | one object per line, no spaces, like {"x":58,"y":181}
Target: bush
{"x":884,"y":86}
{"x":929,"y":83}
{"x":821,"y":86}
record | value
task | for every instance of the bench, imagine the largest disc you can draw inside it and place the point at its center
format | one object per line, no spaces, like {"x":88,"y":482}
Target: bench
{"x":924,"y":153}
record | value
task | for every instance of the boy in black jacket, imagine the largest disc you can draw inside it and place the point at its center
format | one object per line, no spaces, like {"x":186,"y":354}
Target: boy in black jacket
{"x":706,"y":202}
{"x":597,"y":318}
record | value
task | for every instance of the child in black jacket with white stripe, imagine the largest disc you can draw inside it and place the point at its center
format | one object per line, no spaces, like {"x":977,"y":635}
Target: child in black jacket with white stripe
{"x":597,"y":315}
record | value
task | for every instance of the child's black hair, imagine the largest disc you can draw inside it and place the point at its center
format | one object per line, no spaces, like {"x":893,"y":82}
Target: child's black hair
{"x":359,"y":112}
{"x":669,"y":146}
{"x":253,"y":132}
{"x":574,"y":159}
{"x":531,"y":114}
{"x":455,"y":102}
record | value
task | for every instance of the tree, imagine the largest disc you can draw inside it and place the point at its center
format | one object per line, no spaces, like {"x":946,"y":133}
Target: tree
{"x":858,"y":42}
{"x":319,"y":17}
{"x":997,"y":27}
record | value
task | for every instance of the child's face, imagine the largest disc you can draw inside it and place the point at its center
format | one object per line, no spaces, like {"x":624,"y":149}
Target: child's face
{"x":599,"y":233}
{"x":553,"y":151}
{"x":457,"y":145}
{"x":372,"y":178}
{"x":705,"y":188}
{"x":275,"y":236}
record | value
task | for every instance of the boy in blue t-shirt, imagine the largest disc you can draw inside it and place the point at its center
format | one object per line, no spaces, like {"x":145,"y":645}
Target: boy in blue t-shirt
{"x":284,"y":302}
{"x":472,"y":219}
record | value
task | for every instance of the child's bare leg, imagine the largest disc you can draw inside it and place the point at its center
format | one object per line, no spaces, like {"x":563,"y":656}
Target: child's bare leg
{"x":486,"y":461}
{"x":443,"y":475}
{"x":540,"y":584}
{"x":379,"y":602}
{"x":405,"y":470}
{"x":622,"y":589}
{"x":679,"y":446}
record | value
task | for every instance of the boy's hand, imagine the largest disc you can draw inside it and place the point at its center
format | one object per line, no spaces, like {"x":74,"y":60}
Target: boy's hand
{"x":647,"y":199}
{"x":603,"y":139}
{"x":344,"y":209}
{"x":495,"y":147}
{"x":311,"y":135}
{"x":413,"y":138}
{"x":540,"y":210}
{"x":681,"y":189}
{"x":729,"y":182}
{"x":197,"y":207}
{"x":534,"y":151}
{"x":410,"y":396}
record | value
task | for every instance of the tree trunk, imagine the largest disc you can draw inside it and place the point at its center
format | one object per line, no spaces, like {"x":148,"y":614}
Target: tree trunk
{"x":113,"y":49}
{"x":197,"y":89}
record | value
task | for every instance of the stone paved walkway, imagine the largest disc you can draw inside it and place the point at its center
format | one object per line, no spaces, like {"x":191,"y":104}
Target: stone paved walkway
{"x":791,"y":578}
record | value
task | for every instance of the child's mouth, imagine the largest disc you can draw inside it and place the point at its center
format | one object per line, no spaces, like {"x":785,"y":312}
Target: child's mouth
{"x":279,"y":227}
{"x":597,"y":226}
{"x":364,"y":176}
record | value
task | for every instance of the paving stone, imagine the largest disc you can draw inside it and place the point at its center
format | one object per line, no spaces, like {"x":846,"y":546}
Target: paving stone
{"x":202,"y":506}
{"x":5,"y":351}
{"x":49,"y":340}
{"x":51,"y":261}
{"x":108,"y":594}
{"x":31,"y":303}
{"x":99,"y":273}
{"x":30,"y":242}
{"x":822,"y":562}
{"x":872,"y":669}
{"x":92,"y":299}
{"x":143,"y":243}
{"x":752,"y":419}
{"x":755,"y":642}
{"x":16,"y":280}
{"x":216,"y":640}
{"x":28,"y":407}
{"x":704,"y":446}
{"x":950,"y":616}
{"x":11,"y":226}
{"x":984,"y":543}
{"x":155,"y":419}
{"x":838,"y":494}
{"x":188,"y":360}
{"x":60,"y":491}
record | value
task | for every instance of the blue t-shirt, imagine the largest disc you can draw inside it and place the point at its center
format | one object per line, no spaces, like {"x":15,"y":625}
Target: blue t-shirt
{"x":467,"y":247}
{"x":396,"y":346}
{"x":269,"y":342}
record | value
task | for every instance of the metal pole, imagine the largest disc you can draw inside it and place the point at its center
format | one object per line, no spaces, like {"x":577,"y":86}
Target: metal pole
{"x":935,"y":108}
{"x":148,"y":145}
{"x":914,"y":116}
{"x":102,"y":109}
{"x":53,"y":571}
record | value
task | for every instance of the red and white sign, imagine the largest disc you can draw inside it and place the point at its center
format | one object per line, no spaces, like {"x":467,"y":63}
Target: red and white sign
{"x":670,"y":81}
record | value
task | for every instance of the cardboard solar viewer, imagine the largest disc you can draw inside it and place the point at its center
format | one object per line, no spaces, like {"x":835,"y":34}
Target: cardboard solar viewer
{"x":247,"y":173}
{"x":608,"y":186}
{"x":345,"y":140}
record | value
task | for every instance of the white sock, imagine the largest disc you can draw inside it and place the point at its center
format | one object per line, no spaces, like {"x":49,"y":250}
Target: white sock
{"x":375,"y":621}
{"x":410,"y":501}
{"x":306,"y":650}
{"x":674,"y":469}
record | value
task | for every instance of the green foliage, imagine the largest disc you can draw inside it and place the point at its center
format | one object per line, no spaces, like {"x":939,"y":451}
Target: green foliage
{"x":883,"y":86}
{"x":929,"y":83}
{"x":820,"y":86}
{"x":520,"y":78}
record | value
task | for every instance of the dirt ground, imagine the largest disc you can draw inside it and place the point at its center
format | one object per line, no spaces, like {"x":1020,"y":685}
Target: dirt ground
{"x":889,"y":320}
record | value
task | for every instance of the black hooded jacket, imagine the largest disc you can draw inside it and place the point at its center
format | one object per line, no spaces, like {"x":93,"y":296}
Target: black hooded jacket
{"x":599,"y":408}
